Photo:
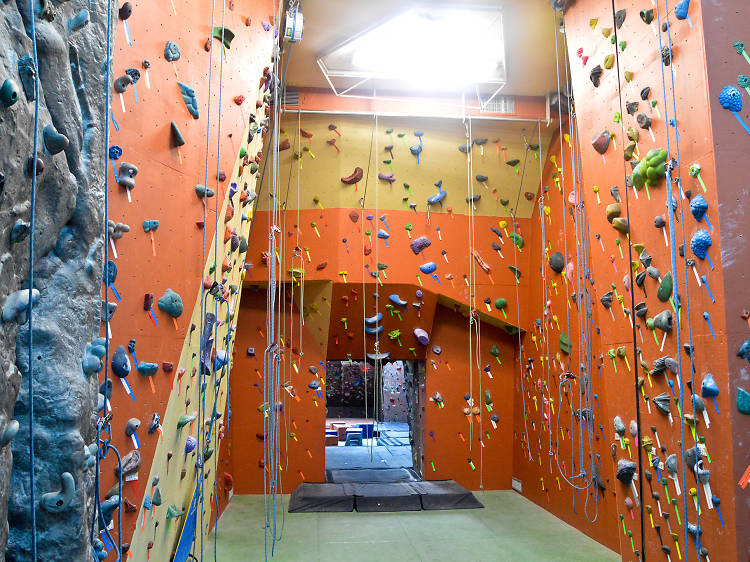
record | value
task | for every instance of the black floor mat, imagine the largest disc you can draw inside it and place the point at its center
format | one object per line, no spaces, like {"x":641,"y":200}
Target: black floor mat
{"x":320,"y":497}
{"x":341,"y":476}
{"x":393,"y":496}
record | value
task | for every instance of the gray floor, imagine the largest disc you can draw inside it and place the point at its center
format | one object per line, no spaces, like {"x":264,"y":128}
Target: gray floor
{"x":392,"y":451}
{"x":509,"y":528}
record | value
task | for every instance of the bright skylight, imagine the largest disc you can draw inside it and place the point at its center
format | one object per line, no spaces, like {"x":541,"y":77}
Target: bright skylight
{"x":429,"y":48}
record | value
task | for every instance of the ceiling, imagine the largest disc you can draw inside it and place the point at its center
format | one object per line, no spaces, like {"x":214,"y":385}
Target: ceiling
{"x":528,"y":25}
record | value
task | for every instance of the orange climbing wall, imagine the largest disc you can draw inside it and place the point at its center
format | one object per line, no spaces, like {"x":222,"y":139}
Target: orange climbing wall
{"x":586,"y":25}
{"x":165,"y":191}
{"x":302,"y":445}
{"x":546,"y":449}
{"x":324,"y":255}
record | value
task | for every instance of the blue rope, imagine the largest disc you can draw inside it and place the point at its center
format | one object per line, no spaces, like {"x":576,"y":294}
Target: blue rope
{"x":673,"y":256}
{"x":201,"y":394}
{"x":216,"y":301}
{"x":32,"y":499}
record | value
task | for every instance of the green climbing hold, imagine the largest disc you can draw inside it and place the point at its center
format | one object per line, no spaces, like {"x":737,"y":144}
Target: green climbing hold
{"x":564,"y":343}
{"x":743,"y":401}
{"x":515,"y":272}
{"x":494,"y":350}
{"x":243,"y":152}
{"x":185,"y":419}
{"x":651,"y":169}
{"x":173,"y":512}
{"x":501,"y":303}
{"x":225,"y":35}
{"x":665,"y":287}
{"x":517,"y":239}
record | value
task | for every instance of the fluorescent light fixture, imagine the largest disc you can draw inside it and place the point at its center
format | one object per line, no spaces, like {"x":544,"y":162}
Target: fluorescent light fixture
{"x":425,"y":48}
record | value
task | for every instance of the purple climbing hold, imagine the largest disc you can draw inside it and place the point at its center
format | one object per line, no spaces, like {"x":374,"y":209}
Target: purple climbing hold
{"x":419,"y":244}
{"x":422,"y":337}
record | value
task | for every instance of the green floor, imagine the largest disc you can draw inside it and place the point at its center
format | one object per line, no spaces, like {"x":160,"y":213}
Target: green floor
{"x":508,"y":528}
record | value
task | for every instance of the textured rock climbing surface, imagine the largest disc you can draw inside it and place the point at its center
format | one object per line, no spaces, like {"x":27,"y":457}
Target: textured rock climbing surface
{"x":68,"y":236}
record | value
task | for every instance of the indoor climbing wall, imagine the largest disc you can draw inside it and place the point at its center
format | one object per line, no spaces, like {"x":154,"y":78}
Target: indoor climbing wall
{"x":189,"y":113}
{"x":650,"y":190}
{"x":302,"y":456}
{"x":468,"y":421}
{"x":395,"y":254}
{"x":553,"y":442}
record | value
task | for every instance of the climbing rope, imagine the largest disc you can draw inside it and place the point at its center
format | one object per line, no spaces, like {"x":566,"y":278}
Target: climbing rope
{"x":32,"y":170}
{"x":675,"y":294}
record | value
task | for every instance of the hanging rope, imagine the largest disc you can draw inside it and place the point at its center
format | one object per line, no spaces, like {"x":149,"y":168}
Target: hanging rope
{"x":32,"y":466}
{"x":675,"y":294}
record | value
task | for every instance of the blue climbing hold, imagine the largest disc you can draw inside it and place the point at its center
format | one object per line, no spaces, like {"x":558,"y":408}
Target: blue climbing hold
{"x":428,"y":267}
{"x":120,"y":362}
{"x":188,"y":95}
{"x":700,"y":243}
{"x":698,"y":206}
{"x":681,"y":9}
{"x":730,"y":98}
{"x":147,"y":369}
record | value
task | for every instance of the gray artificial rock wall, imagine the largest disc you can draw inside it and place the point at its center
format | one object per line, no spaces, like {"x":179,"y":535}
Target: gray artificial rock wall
{"x":67,"y":264}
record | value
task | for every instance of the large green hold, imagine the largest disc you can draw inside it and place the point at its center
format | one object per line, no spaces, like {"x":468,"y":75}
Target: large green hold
{"x":517,"y":239}
{"x":494,"y":350}
{"x":564,"y":343}
{"x":501,"y":303}
{"x":651,"y":169}
{"x":743,"y":401}
{"x":665,"y":287}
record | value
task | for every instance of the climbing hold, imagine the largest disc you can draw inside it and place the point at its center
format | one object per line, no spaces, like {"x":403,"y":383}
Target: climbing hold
{"x":225,"y":35}
{"x":619,"y":18}
{"x":663,"y":321}
{"x":150,"y":225}
{"x":595,"y":75}
{"x":121,"y":83}
{"x":8,"y":433}
{"x":419,"y":244}
{"x":120,"y":362}
{"x":647,"y":16}
{"x":27,"y":72}
{"x":422,"y":336}
{"x":600,"y":142}
{"x":613,"y":211}
{"x":609,"y":61}
{"x":188,"y":95}
{"x":80,"y":20}
{"x":501,"y":303}
{"x":203,"y":192}
{"x":16,"y":305}
{"x":517,"y":239}
{"x":9,"y":92}
{"x":171,"y":303}
{"x":56,"y":502}
{"x":54,"y":142}
{"x":665,"y":288}
{"x":557,"y":262}
{"x":621,"y":225}
{"x":354,"y":177}
{"x":132,"y":426}
{"x":743,"y":401}
{"x":130,"y":464}
{"x":147,"y":369}
{"x":126,"y":175}
{"x":171,"y":51}
{"x":564,"y":343}
{"x":176,"y":135}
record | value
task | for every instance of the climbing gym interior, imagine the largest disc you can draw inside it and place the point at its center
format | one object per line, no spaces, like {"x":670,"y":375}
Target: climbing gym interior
{"x":319,"y":280}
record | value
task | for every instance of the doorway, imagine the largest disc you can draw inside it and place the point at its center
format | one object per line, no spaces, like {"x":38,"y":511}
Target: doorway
{"x":371,"y":420}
